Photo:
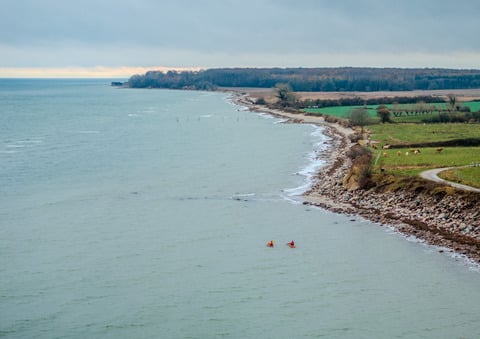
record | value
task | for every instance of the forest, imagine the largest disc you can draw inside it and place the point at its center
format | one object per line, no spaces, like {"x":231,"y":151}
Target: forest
{"x":313,"y":79}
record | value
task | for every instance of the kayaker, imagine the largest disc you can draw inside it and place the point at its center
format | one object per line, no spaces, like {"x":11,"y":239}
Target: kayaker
{"x":270,"y":243}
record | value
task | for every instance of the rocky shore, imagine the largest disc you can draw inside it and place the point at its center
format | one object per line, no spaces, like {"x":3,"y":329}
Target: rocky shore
{"x":451,"y":222}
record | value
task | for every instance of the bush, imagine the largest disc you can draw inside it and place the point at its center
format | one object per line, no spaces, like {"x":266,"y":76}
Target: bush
{"x":357,"y":151}
{"x":261,"y":101}
{"x":333,"y":119}
{"x":384,"y":114}
{"x":364,"y":168}
{"x":453,"y":117}
{"x":359,"y":175}
{"x":355,"y":137}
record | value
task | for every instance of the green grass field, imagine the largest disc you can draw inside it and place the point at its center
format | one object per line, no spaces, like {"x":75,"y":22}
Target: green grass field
{"x":427,"y":158}
{"x":409,"y":130}
{"x":418,"y":133}
{"x":339,"y":111}
{"x":466,"y":175}
{"x":474,"y":105}
{"x":413,"y":164}
{"x":398,"y":163}
{"x":344,"y":111}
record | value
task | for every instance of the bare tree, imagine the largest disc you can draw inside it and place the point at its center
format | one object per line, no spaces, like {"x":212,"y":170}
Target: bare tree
{"x":451,"y":102}
{"x":286,"y":97}
{"x":384,"y":114}
{"x":360,"y":117}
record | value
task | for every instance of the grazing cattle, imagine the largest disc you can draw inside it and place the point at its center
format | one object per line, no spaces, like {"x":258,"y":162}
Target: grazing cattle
{"x":406,"y":153}
{"x":439,"y":149}
{"x":385,"y":154}
{"x":387,"y":146}
{"x":417,"y":151}
{"x":374,"y":146}
{"x":399,"y":153}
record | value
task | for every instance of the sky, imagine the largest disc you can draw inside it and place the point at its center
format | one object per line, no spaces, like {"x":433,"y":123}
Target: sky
{"x":106,"y":38}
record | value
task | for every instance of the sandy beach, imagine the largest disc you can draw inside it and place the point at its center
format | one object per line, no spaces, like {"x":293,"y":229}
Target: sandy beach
{"x":452,"y":224}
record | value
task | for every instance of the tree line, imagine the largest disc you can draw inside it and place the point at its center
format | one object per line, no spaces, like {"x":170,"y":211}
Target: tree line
{"x":358,"y":101}
{"x":313,"y":79}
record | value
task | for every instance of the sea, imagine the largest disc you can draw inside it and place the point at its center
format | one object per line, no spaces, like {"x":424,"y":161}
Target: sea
{"x":145,"y":213}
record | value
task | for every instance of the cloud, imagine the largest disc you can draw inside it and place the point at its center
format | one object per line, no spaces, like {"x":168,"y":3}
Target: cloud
{"x":87,"y":33}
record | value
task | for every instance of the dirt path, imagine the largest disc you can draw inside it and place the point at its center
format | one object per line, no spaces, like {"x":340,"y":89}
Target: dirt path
{"x":433,"y":176}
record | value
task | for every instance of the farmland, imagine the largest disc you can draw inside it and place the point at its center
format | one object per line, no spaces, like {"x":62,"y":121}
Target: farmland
{"x":344,"y":111}
{"x":459,"y":142}
{"x":402,"y":160}
{"x":422,"y":133}
{"x":420,"y":121}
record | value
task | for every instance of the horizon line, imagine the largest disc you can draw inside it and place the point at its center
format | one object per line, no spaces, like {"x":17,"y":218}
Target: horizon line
{"x":100,"y":72}
{"x":104,"y":72}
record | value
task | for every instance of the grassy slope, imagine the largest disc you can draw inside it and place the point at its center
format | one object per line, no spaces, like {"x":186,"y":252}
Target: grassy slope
{"x":467,"y":175}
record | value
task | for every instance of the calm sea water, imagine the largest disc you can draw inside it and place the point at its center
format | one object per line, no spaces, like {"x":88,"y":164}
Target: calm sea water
{"x":145,"y":213}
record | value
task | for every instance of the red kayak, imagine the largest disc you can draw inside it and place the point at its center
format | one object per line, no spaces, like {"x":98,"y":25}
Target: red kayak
{"x":270,"y":243}
{"x":291,"y":244}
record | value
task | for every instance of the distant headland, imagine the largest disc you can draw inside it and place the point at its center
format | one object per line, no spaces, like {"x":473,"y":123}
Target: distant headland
{"x":340,"y":79}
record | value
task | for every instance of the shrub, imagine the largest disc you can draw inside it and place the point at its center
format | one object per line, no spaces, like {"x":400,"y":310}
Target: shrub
{"x":357,"y":151}
{"x":261,"y":101}
{"x":355,"y":137}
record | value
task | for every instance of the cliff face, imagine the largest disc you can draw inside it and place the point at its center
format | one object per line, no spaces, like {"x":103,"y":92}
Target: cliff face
{"x":351,"y":180}
{"x":358,"y":175}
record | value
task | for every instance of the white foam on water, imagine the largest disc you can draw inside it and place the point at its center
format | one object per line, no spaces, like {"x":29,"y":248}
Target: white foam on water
{"x":315,"y":162}
{"x":88,"y":132}
{"x":245,"y":194}
{"x":269,"y":116}
{"x":14,"y":146}
{"x":30,"y":141}
{"x":148,"y":110}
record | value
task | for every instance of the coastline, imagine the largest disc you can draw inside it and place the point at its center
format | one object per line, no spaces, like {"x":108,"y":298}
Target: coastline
{"x":451,"y":223}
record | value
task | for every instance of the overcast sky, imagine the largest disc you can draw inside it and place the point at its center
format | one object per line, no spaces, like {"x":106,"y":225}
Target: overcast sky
{"x":105,"y":34}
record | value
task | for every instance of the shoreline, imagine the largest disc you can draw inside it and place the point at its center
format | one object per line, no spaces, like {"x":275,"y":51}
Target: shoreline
{"x":449,"y":223}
